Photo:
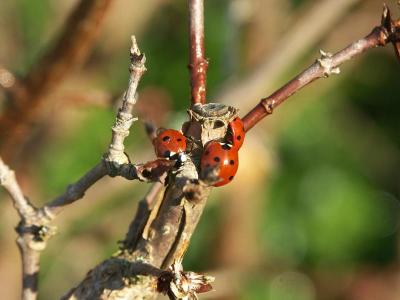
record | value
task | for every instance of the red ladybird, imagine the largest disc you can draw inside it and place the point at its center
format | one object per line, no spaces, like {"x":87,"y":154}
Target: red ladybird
{"x":236,"y":133}
{"x":223,"y":156}
{"x":169,"y":142}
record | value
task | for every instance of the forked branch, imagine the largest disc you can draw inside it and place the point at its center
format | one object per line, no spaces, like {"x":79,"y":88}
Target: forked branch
{"x":34,"y":229}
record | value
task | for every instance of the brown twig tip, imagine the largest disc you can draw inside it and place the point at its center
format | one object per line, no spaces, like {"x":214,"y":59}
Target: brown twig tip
{"x":393,"y":29}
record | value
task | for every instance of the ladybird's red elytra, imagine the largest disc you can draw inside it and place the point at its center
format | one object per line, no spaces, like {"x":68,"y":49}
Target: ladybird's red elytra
{"x":236,"y":133}
{"x":221,"y":155}
{"x":169,"y":142}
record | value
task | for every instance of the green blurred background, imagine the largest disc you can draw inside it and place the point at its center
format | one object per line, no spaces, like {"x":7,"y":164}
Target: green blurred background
{"x":314,"y":210}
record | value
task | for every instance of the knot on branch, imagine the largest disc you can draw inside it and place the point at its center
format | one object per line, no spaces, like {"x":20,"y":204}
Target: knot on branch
{"x":327,"y":64}
{"x":268,"y":104}
{"x":35,"y":236}
{"x":123,"y":123}
{"x":178,"y":284}
{"x":114,"y":161}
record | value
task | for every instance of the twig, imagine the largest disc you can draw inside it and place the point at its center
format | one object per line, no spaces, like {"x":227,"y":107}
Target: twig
{"x":29,"y":241}
{"x":328,"y":64}
{"x":71,"y":48}
{"x":289,"y":49}
{"x":9,"y":182}
{"x":115,"y":161}
{"x":197,"y":62}
{"x":125,"y":119}
{"x":33,"y":229}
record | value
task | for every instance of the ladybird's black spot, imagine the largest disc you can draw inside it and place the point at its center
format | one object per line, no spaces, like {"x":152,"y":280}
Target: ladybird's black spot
{"x":166,"y":138}
{"x":179,"y":140}
{"x":167,"y":153}
{"x":226,"y":147}
{"x":217,"y":159}
{"x":231,"y":177}
{"x":238,"y":137}
{"x":232,"y":162}
{"x":207,"y":152}
{"x":235,"y":119}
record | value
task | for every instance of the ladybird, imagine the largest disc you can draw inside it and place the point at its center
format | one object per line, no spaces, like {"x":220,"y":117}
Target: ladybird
{"x":236,"y":133}
{"x":220,"y":155}
{"x":169,"y":142}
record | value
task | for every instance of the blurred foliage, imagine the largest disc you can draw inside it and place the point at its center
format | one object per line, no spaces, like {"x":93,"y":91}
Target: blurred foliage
{"x":34,"y":19}
{"x":332,"y":202}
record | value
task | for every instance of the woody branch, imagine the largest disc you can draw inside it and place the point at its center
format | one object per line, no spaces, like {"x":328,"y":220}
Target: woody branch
{"x":198,"y":64}
{"x":34,"y":227}
{"x":328,"y":64}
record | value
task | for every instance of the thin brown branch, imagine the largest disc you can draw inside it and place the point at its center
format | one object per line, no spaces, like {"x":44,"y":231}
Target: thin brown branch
{"x":286,"y":52}
{"x":72,"y":46}
{"x":197,"y":62}
{"x":328,"y":64}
